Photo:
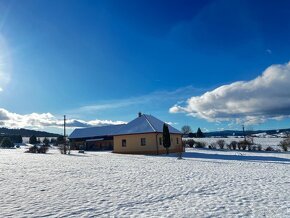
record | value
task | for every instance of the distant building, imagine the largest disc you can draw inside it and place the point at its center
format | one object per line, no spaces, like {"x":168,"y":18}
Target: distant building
{"x":142,"y":135}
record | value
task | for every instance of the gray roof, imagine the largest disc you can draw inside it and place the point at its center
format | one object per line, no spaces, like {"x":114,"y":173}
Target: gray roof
{"x":143,"y":124}
{"x":93,"y":132}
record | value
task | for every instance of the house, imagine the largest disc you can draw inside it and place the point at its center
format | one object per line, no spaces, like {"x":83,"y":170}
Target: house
{"x":142,"y":135}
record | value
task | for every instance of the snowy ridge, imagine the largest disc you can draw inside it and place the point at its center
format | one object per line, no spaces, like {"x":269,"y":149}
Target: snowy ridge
{"x":149,"y":123}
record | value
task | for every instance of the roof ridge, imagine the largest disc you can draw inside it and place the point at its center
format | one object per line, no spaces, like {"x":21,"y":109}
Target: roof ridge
{"x":149,"y":122}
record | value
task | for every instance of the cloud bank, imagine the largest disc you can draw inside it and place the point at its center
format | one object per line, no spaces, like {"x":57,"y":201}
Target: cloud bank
{"x":251,"y":102}
{"x":44,"y":120}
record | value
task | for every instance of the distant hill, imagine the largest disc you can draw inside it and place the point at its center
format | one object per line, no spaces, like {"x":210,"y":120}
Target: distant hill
{"x":26,"y":132}
{"x":225,"y":133}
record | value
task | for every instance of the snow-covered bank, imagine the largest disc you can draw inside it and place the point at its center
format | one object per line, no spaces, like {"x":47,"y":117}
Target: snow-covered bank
{"x":101,"y":184}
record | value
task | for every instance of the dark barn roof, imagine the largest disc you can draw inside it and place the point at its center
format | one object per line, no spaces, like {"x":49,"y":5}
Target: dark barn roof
{"x":142,"y":124}
{"x":92,"y":132}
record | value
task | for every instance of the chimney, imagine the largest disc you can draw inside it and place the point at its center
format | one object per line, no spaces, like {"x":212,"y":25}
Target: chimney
{"x":139,"y":114}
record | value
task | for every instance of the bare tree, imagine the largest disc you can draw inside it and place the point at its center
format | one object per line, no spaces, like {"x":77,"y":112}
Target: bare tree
{"x":186,"y":129}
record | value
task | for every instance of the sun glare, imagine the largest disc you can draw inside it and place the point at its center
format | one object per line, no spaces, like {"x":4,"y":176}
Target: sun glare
{"x":5,"y":64}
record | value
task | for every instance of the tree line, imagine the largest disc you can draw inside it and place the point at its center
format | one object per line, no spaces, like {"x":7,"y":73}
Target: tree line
{"x":34,"y":140}
{"x":13,"y":138}
{"x":26,"y":132}
{"x":186,"y":130}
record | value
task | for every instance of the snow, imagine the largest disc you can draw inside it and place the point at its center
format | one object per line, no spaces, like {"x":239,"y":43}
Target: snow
{"x":265,"y":142}
{"x":205,"y":183}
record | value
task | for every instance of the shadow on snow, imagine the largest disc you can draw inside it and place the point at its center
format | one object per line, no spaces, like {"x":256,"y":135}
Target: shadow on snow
{"x":238,"y":156}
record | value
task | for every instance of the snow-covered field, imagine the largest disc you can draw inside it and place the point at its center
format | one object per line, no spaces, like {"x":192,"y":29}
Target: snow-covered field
{"x":265,"y":142}
{"x":205,"y":183}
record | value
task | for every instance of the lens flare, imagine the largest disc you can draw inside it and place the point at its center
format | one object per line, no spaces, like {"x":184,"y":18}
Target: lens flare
{"x":5,"y":64}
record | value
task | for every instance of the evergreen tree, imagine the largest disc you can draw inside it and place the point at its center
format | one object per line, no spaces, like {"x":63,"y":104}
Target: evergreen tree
{"x":46,"y":141}
{"x":6,"y":143}
{"x":166,"y":138}
{"x":33,"y":140}
{"x":199,"y":133}
{"x":53,"y":141}
{"x":60,"y":140}
{"x":18,"y":139}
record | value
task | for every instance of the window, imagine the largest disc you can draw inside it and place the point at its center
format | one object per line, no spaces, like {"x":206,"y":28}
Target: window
{"x":123,"y":142}
{"x":143,"y":141}
{"x":177,"y":141}
{"x":160,"y":141}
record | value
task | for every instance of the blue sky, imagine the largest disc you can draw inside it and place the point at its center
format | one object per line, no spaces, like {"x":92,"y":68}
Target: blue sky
{"x":100,"y":62}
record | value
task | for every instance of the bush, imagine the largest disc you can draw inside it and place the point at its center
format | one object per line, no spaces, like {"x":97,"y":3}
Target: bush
{"x":250,"y":147}
{"x":221,"y":143}
{"x":234,"y":145}
{"x":43,"y":149}
{"x":285,"y":144}
{"x":259,"y":147}
{"x":190,"y":142}
{"x":200,"y":144}
{"x":32,"y":149}
{"x":212,"y":145}
{"x":6,"y":143}
{"x":62,"y":149}
{"x":229,"y":146}
{"x":38,"y":149}
{"x":239,"y":146}
{"x":269,"y":148}
{"x":244,"y":144}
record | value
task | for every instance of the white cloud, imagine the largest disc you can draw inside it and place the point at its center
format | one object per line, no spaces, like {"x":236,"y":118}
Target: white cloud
{"x":45,"y":120}
{"x":251,"y":102}
{"x":171,"y":123}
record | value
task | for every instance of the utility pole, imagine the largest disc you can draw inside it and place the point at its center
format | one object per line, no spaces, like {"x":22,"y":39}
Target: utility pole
{"x":64,"y":134}
{"x":64,"y":120}
{"x":244,"y":132}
